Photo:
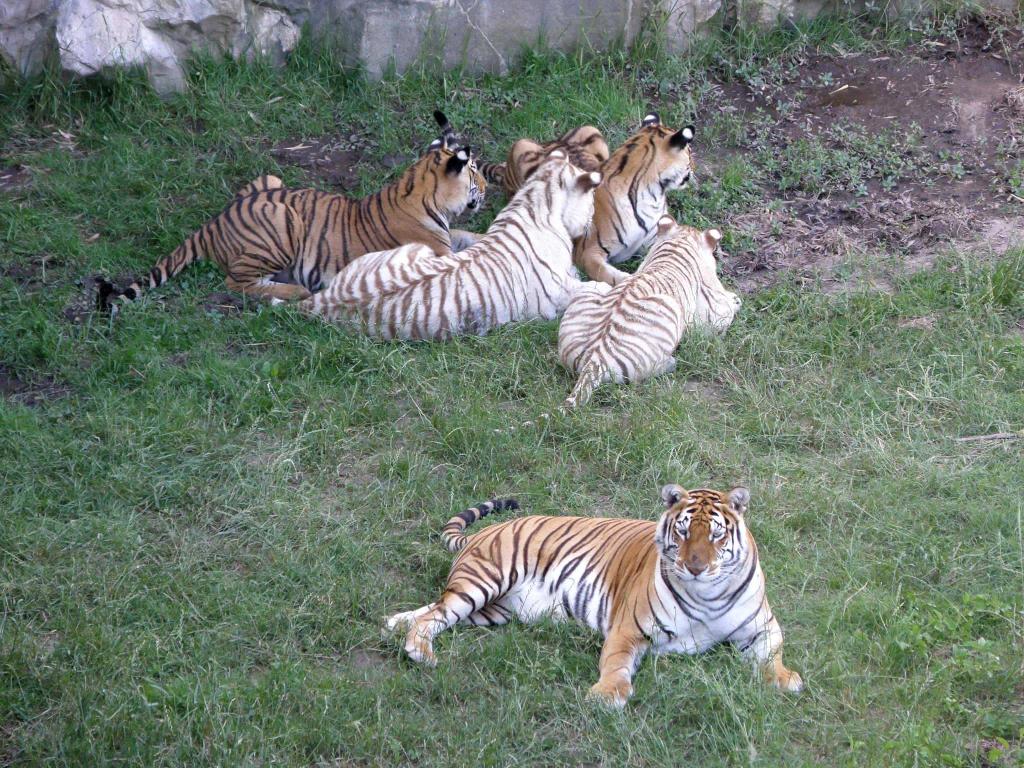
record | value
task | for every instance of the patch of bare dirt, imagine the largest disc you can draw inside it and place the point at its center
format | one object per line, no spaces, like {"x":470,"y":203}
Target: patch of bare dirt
{"x":223,"y":303}
{"x":14,"y":177}
{"x":30,"y":389}
{"x":923,"y":323}
{"x":32,"y":271}
{"x":963,"y":98}
{"x":82,"y":304}
{"x":335,"y":161}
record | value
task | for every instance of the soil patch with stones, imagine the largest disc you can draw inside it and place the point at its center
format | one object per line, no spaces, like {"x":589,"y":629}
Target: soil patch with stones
{"x":960,"y":105}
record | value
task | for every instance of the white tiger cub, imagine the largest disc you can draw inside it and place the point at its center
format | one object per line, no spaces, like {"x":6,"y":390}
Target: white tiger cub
{"x":521,"y":268}
{"x":629,"y":332}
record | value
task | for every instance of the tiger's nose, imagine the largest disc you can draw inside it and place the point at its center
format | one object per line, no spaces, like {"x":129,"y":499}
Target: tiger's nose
{"x":695,"y":566}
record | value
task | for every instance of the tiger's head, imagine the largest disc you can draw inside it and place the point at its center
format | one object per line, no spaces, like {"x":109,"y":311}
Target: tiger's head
{"x":716,"y":306}
{"x":567,"y":188}
{"x":662,"y":156}
{"x":702,"y":535}
{"x":466,"y":180}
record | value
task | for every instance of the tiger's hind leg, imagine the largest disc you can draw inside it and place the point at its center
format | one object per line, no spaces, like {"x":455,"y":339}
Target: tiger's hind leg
{"x":425,"y":623}
{"x":270,"y":242}
{"x":263,"y":183}
{"x":265,"y":288}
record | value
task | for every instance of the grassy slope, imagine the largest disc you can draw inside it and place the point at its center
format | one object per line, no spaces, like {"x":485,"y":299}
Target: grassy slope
{"x":198,"y":544}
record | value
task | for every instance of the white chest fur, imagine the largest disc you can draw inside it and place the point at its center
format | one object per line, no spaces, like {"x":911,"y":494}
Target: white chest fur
{"x":651,"y":205}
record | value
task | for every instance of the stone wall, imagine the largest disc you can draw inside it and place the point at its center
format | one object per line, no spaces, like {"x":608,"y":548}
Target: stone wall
{"x":89,"y":37}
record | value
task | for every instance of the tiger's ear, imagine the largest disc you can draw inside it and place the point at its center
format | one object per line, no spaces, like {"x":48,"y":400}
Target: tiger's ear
{"x":435,"y":144}
{"x":588,"y":181}
{"x":672,"y":494}
{"x":712,"y":237}
{"x":442,"y":121}
{"x":651,"y":119}
{"x":680,"y":139}
{"x":739,"y":498}
{"x":665,"y":223}
{"x":457,"y":162}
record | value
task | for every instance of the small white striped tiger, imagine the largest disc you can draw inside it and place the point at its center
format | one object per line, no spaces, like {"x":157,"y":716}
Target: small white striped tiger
{"x":630,"y":332}
{"x":520,"y":269}
{"x":684,"y":584}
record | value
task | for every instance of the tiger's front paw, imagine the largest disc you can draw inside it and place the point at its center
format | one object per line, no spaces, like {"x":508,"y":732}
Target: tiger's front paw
{"x":612,"y":694}
{"x":790,"y":681}
{"x":783,"y":678}
{"x":420,"y":650}
{"x":613,"y":276}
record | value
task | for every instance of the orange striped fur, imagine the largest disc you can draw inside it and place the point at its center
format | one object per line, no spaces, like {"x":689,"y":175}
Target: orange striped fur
{"x":521,"y":268}
{"x":632,"y":197}
{"x":288,"y":243}
{"x":584,"y":146}
{"x":682,"y":584}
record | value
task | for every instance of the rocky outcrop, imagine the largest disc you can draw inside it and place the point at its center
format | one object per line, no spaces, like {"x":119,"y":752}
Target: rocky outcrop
{"x":26,"y":34}
{"x":96,"y":36}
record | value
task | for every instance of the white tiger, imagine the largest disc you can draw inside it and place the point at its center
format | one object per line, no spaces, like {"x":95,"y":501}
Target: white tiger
{"x":629,"y":332}
{"x":521,"y":268}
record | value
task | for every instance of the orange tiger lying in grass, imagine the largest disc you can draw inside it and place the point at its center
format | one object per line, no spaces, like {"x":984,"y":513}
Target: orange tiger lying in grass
{"x":684,"y":584}
{"x":632,"y":197}
{"x":304,"y":236}
{"x":584,"y":146}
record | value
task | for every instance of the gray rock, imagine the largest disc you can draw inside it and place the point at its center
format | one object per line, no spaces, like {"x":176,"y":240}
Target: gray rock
{"x":26,"y":34}
{"x":683,"y":19}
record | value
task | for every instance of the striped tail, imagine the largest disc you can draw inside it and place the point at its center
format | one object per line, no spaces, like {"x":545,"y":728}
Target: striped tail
{"x":590,"y":378}
{"x":189,"y":252}
{"x":453,"y":534}
{"x":493,"y":172}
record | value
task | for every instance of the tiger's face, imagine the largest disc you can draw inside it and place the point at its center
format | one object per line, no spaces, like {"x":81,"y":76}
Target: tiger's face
{"x":716,"y":306}
{"x":451,"y":178}
{"x":702,"y":534}
{"x":668,"y":152}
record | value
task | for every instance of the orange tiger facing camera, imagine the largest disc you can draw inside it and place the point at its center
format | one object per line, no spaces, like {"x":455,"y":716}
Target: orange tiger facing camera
{"x":276,"y":242}
{"x":688,"y":582}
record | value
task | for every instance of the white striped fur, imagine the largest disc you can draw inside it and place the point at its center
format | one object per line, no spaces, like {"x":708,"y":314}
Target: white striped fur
{"x":520,"y":269}
{"x":630,"y":332}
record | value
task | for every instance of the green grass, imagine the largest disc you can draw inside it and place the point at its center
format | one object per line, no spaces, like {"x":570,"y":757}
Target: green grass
{"x":200,"y":541}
